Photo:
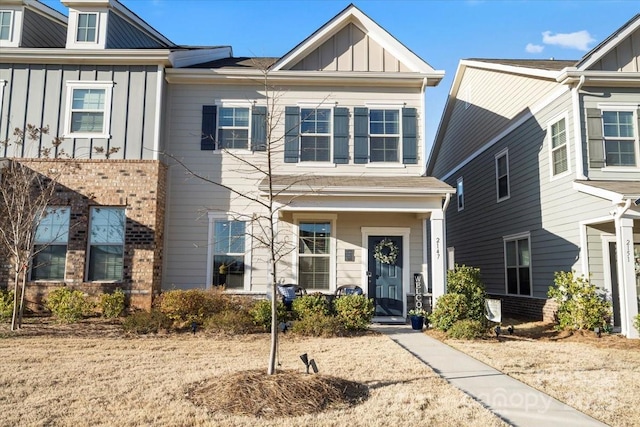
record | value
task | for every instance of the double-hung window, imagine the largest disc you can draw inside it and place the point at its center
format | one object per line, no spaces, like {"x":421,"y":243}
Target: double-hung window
{"x":229,"y":253}
{"x":620,"y":140}
{"x":315,"y":134}
{"x":106,"y":244}
{"x":559,"y":147}
{"x":517,"y":255}
{"x":6,"y":21}
{"x":50,"y":245}
{"x":233,"y":128}
{"x":384,"y":135}
{"x":502,"y":175}
{"x":314,"y":254}
{"x":87,"y":30}
{"x":88,"y":109}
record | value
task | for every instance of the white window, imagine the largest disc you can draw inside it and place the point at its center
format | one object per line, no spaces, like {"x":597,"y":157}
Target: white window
{"x":6,"y":24}
{"x":460,"y":193}
{"x":88,"y":109}
{"x":314,"y":254}
{"x":559,"y":148}
{"x":50,"y":245}
{"x":502,"y":175}
{"x":233,"y":128}
{"x":620,"y":138}
{"x":315,"y":134}
{"x":384,"y":135}
{"x":229,"y":253}
{"x":517,"y":258}
{"x":106,"y":244}
{"x":87,"y":30}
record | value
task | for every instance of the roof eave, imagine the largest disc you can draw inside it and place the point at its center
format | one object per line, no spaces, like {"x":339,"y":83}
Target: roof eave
{"x":66,"y":56}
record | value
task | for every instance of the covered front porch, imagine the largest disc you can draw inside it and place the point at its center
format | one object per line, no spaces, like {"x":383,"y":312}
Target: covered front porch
{"x":384,"y":234}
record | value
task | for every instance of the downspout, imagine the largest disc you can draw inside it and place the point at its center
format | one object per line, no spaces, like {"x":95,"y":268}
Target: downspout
{"x":158,"y":113}
{"x":447,"y":199}
{"x":577,"y":129}
{"x":423,"y":106}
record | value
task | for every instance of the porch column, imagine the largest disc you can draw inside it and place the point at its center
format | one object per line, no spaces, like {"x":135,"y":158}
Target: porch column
{"x":437,"y":256}
{"x":626,"y":276}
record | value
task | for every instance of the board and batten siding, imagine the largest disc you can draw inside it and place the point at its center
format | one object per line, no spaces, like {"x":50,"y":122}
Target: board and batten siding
{"x":39,"y":31}
{"x":484,"y":108}
{"x":624,"y":57}
{"x":37,"y":94}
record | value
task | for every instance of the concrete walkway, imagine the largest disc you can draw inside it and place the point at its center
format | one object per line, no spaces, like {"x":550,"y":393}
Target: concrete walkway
{"x":515,"y":402}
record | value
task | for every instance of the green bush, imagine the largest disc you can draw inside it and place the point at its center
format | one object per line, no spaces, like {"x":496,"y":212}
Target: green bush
{"x":310,"y":304}
{"x":354,"y":311}
{"x":636,"y":323}
{"x":193,"y":305}
{"x":319,"y":325}
{"x":68,"y":305}
{"x":144,"y":322}
{"x":580,"y":306}
{"x":6,"y":304}
{"x":466,"y":281}
{"x":112,"y":305}
{"x":448,"y":310}
{"x":467,"y":329}
{"x":230,"y":321}
{"x":261,"y":313}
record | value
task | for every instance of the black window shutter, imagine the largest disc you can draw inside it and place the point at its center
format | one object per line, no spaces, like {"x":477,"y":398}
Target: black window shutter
{"x":291,"y":126}
{"x":259,"y":129}
{"x":341,"y":135}
{"x":595,"y":139}
{"x":409,"y":136}
{"x":209,"y":117}
{"x":360,"y":135}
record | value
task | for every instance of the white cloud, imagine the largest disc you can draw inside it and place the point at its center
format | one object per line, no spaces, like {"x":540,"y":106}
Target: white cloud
{"x":534,"y":48}
{"x":578,"y":40}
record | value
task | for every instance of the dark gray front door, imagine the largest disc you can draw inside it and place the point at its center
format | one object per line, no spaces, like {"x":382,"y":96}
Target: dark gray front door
{"x":385,"y":278}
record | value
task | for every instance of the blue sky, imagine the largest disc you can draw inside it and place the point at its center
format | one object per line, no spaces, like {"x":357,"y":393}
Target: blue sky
{"x":440,"y":32}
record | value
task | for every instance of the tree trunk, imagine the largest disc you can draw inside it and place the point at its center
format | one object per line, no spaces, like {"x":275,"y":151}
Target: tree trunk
{"x":274,"y":322}
{"x":22,"y":293}
{"x":14,"y":316}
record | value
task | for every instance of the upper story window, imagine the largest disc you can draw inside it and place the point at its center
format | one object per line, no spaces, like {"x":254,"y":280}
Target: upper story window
{"x":559,"y":147}
{"x":502,"y":175}
{"x":87,"y":30}
{"x":233,"y":128}
{"x":6,"y":21}
{"x":517,"y":258}
{"x":620,"y":141}
{"x":88,"y":109}
{"x":315,"y":134}
{"x":106,"y":244}
{"x":50,"y":245}
{"x":460,"y":193}
{"x":384,"y":135}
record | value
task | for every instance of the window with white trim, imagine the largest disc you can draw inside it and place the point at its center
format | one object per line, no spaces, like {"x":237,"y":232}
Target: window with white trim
{"x":106,"y":244}
{"x":315,"y":134}
{"x":314,"y":254}
{"x":6,"y":24}
{"x":229,"y":253}
{"x":50,"y":244}
{"x":517,"y":258}
{"x":384,"y":135}
{"x":502,"y":175}
{"x":88,"y":109}
{"x":87,"y":30}
{"x":460,"y":193}
{"x":620,"y":138}
{"x":559,"y":147}
{"x":233,"y":128}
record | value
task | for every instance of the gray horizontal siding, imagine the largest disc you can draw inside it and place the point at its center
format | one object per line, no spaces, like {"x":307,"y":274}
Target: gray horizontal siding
{"x":36,"y":94}
{"x":39,"y":31}
{"x":123,"y":35}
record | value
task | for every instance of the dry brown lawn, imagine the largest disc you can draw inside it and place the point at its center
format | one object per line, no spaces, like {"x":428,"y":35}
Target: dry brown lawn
{"x":92,"y":374}
{"x":599,"y":376}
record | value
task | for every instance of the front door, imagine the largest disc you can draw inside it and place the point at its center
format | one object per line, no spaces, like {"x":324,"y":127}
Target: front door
{"x":385,"y":274}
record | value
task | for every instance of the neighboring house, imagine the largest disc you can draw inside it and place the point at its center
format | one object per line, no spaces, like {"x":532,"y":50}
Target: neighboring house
{"x":344,"y":124}
{"x":545,"y":156}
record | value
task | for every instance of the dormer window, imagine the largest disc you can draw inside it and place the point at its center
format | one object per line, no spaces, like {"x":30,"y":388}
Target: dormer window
{"x":87,"y":27}
{"x":6,"y":18}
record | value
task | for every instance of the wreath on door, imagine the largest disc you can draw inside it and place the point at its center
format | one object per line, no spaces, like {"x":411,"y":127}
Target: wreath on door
{"x":386,"y":251}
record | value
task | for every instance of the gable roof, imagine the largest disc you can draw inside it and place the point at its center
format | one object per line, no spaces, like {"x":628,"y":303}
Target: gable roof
{"x":595,"y":54}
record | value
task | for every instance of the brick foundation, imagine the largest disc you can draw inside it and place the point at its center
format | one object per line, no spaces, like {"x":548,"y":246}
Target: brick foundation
{"x":527,"y":308}
{"x":137,"y":185}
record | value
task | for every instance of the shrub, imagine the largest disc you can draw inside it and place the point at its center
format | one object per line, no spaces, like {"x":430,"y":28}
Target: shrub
{"x":192,"y":305}
{"x":112,"y":305}
{"x":144,"y":322}
{"x":310,"y":304}
{"x":230,"y":321}
{"x":68,"y":305}
{"x":6,"y":304}
{"x":319,"y":325}
{"x":636,"y":323}
{"x":261,"y":313}
{"x":354,"y":311}
{"x":466,"y":281}
{"x":448,"y":310}
{"x":467,"y":329}
{"x":580,"y":305}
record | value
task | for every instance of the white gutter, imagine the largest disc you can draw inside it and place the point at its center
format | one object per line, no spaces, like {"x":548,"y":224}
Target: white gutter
{"x":423,"y":106}
{"x":577,"y":129}
{"x":158,"y":112}
{"x":447,"y":199}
